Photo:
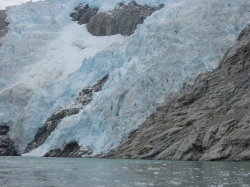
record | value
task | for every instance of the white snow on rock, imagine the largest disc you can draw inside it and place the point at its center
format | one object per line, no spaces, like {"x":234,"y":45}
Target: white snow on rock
{"x":46,"y":60}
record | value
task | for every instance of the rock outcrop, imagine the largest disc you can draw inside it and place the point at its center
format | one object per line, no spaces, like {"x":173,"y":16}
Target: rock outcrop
{"x":122,"y":20}
{"x":6,"y":144}
{"x":50,"y":125}
{"x":71,"y":149}
{"x":83,"y":98}
{"x":3,"y":24}
{"x":82,"y":14}
{"x":209,"y":120}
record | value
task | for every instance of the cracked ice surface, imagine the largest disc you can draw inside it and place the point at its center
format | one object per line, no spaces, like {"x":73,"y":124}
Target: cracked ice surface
{"x":54,"y":59}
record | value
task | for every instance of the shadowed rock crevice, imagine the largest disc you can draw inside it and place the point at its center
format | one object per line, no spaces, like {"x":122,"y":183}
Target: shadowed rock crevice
{"x":83,"y":99}
{"x":122,"y":20}
{"x":71,"y":149}
{"x":209,"y":120}
{"x":3,"y":24}
{"x":6,"y":144}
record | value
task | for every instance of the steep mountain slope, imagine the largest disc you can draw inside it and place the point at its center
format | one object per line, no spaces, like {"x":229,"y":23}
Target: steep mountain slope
{"x":47,"y":60}
{"x":209,"y":120}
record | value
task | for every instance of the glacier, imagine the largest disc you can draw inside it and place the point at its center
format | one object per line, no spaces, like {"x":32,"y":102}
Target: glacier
{"x":6,"y":3}
{"x":46,"y":60}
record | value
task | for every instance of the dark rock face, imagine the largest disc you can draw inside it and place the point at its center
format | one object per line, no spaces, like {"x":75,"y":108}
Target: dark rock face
{"x":82,"y":14}
{"x":4,"y":129}
{"x":6,"y":144}
{"x":102,"y":24}
{"x":69,"y":150}
{"x":122,"y":20}
{"x":3,"y":24}
{"x":83,"y":98}
{"x":209,"y":120}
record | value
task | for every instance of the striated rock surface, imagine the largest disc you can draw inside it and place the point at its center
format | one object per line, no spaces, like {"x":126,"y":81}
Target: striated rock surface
{"x":209,"y":120}
{"x":6,"y":144}
{"x":122,"y":20}
{"x":71,"y":149}
{"x":83,"y":98}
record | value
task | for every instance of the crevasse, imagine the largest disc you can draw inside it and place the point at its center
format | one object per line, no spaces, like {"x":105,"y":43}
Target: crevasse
{"x":46,"y":60}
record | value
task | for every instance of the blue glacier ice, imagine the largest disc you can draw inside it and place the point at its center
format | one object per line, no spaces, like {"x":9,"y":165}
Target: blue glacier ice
{"x":46,"y":60}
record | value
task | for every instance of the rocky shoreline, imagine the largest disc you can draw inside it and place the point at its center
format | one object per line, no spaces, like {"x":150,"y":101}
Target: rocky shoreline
{"x":71,"y":149}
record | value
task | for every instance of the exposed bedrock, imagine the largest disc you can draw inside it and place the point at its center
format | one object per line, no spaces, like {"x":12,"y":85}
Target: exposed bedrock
{"x":3,"y":24}
{"x":6,"y":144}
{"x":83,"y":98}
{"x":122,"y":20}
{"x":209,"y":120}
{"x":71,"y":149}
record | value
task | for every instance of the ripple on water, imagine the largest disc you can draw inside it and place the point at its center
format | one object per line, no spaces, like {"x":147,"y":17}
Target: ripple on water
{"x":40,"y":172}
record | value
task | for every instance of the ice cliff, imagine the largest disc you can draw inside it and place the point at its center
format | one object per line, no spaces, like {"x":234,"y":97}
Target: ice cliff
{"x":46,"y":60}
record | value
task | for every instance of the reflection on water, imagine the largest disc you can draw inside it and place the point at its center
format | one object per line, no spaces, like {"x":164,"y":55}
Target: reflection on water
{"x":53,"y":172}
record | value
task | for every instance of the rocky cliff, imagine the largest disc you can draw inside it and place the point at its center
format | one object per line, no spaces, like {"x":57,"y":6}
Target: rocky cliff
{"x":209,"y":120}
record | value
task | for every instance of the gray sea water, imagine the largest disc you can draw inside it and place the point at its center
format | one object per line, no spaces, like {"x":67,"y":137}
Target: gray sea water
{"x":73,"y":172}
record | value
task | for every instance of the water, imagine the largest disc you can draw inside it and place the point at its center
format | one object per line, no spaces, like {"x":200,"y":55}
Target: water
{"x":53,"y":172}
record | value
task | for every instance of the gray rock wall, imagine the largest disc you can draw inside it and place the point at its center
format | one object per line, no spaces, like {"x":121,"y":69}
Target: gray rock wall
{"x":122,"y":20}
